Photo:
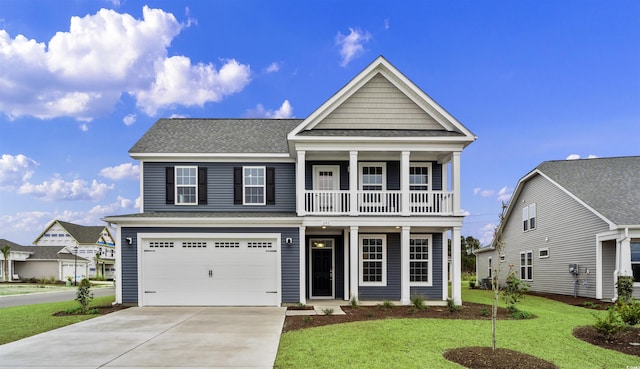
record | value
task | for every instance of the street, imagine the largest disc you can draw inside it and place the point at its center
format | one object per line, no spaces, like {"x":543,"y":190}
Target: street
{"x":39,"y":298}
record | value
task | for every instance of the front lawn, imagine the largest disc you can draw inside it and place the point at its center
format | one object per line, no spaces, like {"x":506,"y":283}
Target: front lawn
{"x":420,"y":343}
{"x":23,"y":321}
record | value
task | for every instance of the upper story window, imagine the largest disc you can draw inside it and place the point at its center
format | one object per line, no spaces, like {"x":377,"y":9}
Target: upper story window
{"x":253,"y":182}
{"x":373,"y":176}
{"x":419,"y":177}
{"x":186,"y":185}
{"x":529,"y":217}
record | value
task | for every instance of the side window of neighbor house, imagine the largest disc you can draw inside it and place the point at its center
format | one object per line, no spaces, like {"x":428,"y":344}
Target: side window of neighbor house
{"x":635,"y":260}
{"x":526,"y":265}
{"x":490,"y":266}
{"x":529,"y":217}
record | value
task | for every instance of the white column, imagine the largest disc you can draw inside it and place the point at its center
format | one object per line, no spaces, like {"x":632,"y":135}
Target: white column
{"x":353,"y":262}
{"x":302,"y":244}
{"x":598,"y":268}
{"x":445,"y":266}
{"x":345,"y":237}
{"x":405,"y":282}
{"x":456,"y":270}
{"x":300,"y":183}
{"x":625,"y":257}
{"x":404,"y":183}
{"x":455,"y":182}
{"x":118,"y":264}
{"x":445,"y":176}
{"x":353,"y":182}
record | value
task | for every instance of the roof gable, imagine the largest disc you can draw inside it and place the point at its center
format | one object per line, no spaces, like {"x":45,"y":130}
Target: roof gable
{"x":381,"y":97}
{"x":82,"y":234}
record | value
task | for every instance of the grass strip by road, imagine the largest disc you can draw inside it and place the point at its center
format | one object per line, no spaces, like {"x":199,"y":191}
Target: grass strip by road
{"x":7,"y":289}
{"x":23,"y":321}
{"x":420,"y":343}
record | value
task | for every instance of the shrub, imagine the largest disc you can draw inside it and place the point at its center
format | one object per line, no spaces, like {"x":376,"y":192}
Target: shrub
{"x":307,"y":319}
{"x":629,"y":313}
{"x":44,"y":280}
{"x":472,"y":284}
{"x":590,"y":305}
{"x":327,"y":311}
{"x":84,"y":295}
{"x":451,"y":306}
{"x":418,"y":302}
{"x":609,"y":325}
{"x":514,"y":290}
{"x":353,"y":302}
{"x":520,"y":314}
{"x":52,"y":280}
{"x":625,"y":288}
{"x":484,"y":312}
{"x":386,"y":305}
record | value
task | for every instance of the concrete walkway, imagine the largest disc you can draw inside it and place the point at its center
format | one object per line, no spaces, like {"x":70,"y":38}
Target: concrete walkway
{"x":158,"y":337}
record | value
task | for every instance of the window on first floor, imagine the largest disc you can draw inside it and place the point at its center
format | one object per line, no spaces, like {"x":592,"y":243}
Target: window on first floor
{"x":373,"y":250}
{"x":526,"y":265}
{"x":420,"y":260}
{"x":490,"y":267}
{"x":635,"y":260}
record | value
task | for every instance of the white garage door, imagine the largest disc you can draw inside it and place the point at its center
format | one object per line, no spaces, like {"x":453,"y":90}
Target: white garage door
{"x":211,"y":271}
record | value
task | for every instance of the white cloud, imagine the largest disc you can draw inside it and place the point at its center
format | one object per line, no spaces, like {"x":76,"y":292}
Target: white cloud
{"x":487,"y":233}
{"x":129,"y":119}
{"x":179,"y":82}
{"x":81,"y":73}
{"x":503,"y":195}
{"x":57,"y":189}
{"x":351,"y":45}
{"x":285,"y":111}
{"x":273,"y":67}
{"x":577,"y":156}
{"x":84,"y":127}
{"x":122,"y":171}
{"x":386,"y":23}
{"x":15,"y":170}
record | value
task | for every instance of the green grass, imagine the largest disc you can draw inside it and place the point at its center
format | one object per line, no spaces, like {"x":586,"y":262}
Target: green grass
{"x":419,"y":343}
{"x":23,"y":321}
{"x":7,"y":289}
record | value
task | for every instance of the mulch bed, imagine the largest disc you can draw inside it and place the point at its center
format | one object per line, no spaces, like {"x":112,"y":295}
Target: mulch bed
{"x":486,"y":358}
{"x":623,"y":343}
{"x":575,"y":301}
{"x":468,"y":311}
{"x":101,"y":310}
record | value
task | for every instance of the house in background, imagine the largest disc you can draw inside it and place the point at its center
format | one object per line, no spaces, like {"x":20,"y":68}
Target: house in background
{"x":39,"y":262}
{"x":86,"y":241}
{"x":572,"y":227}
{"x":358,"y":201}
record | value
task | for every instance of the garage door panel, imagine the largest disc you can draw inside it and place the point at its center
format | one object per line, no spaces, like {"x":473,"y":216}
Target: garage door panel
{"x":210,"y":272}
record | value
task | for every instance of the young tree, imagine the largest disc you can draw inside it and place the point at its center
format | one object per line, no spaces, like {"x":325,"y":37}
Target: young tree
{"x":6,"y":250}
{"x":84,"y":295}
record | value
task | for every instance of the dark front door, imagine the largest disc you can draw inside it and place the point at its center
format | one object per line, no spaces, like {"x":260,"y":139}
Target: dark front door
{"x":322,"y":278}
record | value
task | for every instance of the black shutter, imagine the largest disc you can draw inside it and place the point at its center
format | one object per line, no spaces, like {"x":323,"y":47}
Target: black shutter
{"x":202,"y":186}
{"x":169,"y":185}
{"x":237,"y":185}
{"x":271,"y":186}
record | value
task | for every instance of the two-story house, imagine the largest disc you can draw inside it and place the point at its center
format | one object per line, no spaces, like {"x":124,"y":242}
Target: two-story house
{"x":358,"y":200}
{"x":93,"y":243}
{"x":572,"y":227}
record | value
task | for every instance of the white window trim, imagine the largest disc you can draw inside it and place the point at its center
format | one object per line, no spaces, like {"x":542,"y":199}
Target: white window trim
{"x":540,"y":256}
{"x":526,"y":265}
{"x":384,"y":259}
{"x":429,"y":282}
{"x":503,"y":258}
{"x":527,"y":213}
{"x":489,"y":267}
{"x":429,"y":174}
{"x":264,"y":187}
{"x":175,"y":179}
{"x":383,"y":165}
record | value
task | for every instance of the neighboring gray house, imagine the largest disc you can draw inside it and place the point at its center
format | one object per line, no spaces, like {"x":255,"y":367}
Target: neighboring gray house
{"x":358,"y":200}
{"x":572,"y":227}
{"x":38,"y":262}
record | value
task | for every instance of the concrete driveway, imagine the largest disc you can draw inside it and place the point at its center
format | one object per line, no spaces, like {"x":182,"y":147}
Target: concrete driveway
{"x":160,"y":337}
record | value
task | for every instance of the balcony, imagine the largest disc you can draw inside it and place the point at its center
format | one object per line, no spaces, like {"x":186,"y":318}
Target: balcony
{"x":378,"y":203}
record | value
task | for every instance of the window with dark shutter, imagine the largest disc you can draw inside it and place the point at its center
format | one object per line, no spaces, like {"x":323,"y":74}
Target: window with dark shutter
{"x":169,"y":185}
{"x":202,"y":186}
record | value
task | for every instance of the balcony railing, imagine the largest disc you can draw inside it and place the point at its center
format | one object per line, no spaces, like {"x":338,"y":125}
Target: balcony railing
{"x":378,"y":203}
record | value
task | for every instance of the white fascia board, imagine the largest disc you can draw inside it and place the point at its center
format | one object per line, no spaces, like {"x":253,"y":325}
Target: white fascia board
{"x":204,"y":222}
{"x":215,"y":157}
{"x":367,"y":145}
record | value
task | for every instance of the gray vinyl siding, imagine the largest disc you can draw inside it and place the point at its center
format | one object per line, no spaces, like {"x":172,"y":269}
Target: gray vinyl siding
{"x":564,"y":226}
{"x":39,"y":269}
{"x":290,"y":257}
{"x":435,"y":290}
{"x":608,"y":267}
{"x":219,"y":188}
{"x":392,"y":290}
{"x":482,"y":264}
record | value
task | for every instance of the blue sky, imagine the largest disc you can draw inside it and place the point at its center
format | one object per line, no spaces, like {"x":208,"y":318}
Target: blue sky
{"x":83,"y":80}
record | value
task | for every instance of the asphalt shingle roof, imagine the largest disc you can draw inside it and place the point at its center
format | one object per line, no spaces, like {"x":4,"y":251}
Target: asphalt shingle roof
{"x":39,"y":252}
{"x":83,"y":234}
{"x":611,"y":186}
{"x":216,"y":136}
